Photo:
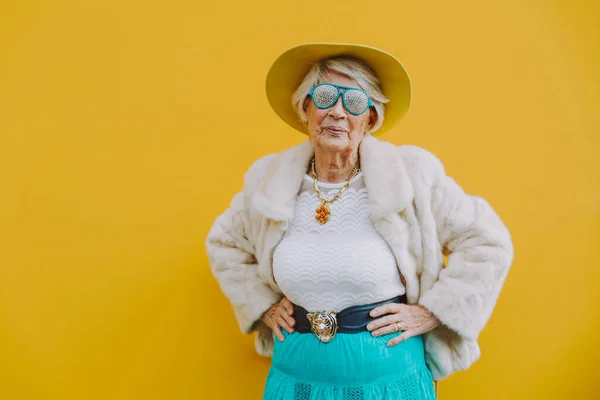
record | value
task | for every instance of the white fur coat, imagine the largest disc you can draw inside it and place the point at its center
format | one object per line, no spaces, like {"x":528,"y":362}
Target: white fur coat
{"x":419,"y":211}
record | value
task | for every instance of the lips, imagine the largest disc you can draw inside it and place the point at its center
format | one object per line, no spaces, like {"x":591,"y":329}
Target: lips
{"x":335,"y":129}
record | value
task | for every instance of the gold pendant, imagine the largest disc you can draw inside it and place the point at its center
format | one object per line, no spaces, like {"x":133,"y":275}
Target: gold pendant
{"x":322,"y":213}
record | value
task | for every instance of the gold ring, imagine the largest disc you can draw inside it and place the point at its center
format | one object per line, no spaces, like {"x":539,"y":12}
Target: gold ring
{"x":399,"y":326}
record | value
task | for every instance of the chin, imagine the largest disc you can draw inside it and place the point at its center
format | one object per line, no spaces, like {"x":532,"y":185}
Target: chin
{"x":337,"y":144}
{"x":332,"y":138}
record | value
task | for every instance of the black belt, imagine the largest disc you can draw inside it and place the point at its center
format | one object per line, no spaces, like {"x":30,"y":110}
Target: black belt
{"x":325,"y":324}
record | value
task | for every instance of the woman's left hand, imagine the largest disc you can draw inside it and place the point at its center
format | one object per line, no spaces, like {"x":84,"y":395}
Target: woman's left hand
{"x":412,"y":319}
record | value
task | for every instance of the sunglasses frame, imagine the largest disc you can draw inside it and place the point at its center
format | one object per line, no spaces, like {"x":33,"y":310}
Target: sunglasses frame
{"x":340,"y":93}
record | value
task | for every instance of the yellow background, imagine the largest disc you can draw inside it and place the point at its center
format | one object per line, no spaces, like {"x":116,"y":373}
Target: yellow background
{"x":126,"y":128}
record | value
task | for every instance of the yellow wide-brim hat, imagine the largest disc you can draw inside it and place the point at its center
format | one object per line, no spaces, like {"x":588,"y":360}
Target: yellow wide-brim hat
{"x":287,"y":72}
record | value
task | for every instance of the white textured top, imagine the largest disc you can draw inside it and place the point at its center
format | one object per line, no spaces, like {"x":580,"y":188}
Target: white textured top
{"x":341,"y":263}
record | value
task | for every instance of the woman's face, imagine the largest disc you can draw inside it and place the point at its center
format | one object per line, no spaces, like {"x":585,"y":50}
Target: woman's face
{"x":335,"y":128}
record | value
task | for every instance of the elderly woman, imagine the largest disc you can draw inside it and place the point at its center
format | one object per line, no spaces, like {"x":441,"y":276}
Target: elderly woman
{"x":333,"y":251}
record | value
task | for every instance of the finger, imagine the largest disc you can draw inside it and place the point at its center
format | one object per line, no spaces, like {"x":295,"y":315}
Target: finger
{"x":283,"y":323}
{"x":383,"y":321}
{"x":287,"y":304}
{"x":400,"y":338}
{"x":290,"y":320}
{"x":385,"y":309}
{"x":281,"y":310}
{"x":391,"y":328}
{"x":278,"y":333}
{"x":271,"y":313}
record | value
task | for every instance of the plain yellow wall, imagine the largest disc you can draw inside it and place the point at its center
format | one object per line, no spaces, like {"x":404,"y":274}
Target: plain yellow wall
{"x":126,"y":128}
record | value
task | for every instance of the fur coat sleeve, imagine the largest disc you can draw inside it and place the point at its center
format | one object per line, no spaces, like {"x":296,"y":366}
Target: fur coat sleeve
{"x":232,"y":259}
{"x":479,"y":250}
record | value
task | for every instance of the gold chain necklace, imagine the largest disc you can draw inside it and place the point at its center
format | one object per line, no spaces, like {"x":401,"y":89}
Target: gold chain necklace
{"x":322,"y":215}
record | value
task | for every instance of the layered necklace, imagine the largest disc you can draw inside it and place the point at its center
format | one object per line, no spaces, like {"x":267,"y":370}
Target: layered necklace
{"x":322,"y":212}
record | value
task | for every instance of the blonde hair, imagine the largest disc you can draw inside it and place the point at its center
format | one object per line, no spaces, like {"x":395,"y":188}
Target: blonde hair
{"x":354,"y":69}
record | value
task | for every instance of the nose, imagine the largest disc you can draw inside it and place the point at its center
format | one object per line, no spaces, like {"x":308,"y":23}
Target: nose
{"x":337,"y":110}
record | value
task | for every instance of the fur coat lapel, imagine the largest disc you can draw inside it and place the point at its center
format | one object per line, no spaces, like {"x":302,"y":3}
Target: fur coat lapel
{"x":386,"y":180}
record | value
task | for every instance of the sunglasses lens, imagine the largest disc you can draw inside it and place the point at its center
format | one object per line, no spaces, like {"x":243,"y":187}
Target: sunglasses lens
{"x":356,"y":101}
{"x":325,"y":95}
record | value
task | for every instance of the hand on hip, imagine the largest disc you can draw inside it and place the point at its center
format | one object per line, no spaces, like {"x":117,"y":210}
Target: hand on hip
{"x":411,"y":319}
{"x":280,"y":316}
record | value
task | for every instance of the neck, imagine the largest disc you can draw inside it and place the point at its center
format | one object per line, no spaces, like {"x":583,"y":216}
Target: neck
{"x":334,"y":167}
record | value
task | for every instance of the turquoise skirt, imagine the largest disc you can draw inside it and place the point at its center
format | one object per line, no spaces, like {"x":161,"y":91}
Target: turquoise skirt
{"x":352,"y":366}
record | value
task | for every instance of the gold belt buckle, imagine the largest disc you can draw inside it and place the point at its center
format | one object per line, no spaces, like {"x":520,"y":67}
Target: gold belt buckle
{"x":323,"y":324}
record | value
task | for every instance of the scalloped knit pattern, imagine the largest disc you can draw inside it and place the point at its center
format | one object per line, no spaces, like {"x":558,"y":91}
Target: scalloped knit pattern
{"x":341,"y":263}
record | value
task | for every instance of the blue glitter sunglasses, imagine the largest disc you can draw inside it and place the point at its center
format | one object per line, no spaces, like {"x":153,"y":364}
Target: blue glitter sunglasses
{"x":325,"y":95}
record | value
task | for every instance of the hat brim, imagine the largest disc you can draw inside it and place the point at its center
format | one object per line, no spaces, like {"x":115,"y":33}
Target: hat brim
{"x":287,"y":72}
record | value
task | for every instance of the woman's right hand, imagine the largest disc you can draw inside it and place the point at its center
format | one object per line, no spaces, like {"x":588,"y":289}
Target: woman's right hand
{"x":280,"y":316}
